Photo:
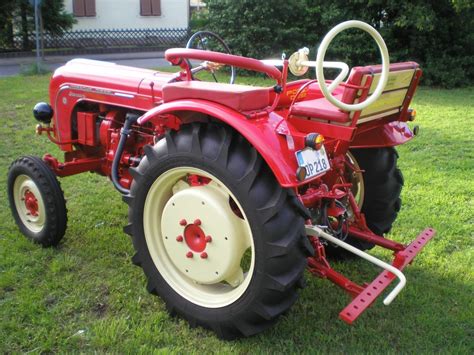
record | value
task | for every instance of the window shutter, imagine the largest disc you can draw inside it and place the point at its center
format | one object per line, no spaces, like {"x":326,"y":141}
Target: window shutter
{"x":145,"y":8}
{"x":78,"y":8}
{"x":156,"y":7}
{"x":89,"y":7}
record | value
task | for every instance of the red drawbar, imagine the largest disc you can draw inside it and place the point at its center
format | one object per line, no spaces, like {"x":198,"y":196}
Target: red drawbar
{"x":402,"y":258}
{"x":237,"y":97}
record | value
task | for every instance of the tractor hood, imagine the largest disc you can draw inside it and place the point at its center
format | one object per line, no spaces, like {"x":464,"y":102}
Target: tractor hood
{"x":108,"y":76}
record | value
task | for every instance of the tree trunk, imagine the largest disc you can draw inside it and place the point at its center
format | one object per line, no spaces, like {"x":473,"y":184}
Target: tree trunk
{"x":10,"y":34}
{"x":24,"y":25}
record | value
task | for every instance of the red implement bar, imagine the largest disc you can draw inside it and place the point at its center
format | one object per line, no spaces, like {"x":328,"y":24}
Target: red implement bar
{"x":402,"y":258}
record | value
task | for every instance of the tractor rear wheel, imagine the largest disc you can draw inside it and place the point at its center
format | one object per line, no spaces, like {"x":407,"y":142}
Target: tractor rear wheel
{"x":382,"y":185}
{"x":219,"y":240}
{"x":37,"y":201}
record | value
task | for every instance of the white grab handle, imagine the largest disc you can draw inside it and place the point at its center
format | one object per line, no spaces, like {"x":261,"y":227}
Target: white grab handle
{"x":315,"y":231}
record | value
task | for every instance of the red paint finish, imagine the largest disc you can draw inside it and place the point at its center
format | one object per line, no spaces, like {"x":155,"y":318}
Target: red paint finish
{"x":388,"y":135}
{"x":195,"y":238}
{"x":402,"y":258}
{"x":259,"y":132}
{"x":368,"y":236}
{"x":175,"y":56}
{"x":86,"y":128}
{"x":31,"y":203}
{"x":237,"y":97}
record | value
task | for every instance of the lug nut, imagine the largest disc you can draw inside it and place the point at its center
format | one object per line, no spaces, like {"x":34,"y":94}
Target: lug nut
{"x":197,"y":222}
{"x":189,"y":254}
{"x":179,"y":238}
{"x":183,"y":222}
{"x":203,"y":255}
{"x":208,"y":239}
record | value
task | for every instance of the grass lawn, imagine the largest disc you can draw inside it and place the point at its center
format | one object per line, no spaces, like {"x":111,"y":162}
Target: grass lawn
{"x":86,"y":295}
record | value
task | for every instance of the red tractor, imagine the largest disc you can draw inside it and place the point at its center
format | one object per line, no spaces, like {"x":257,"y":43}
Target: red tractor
{"x":233,"y":190}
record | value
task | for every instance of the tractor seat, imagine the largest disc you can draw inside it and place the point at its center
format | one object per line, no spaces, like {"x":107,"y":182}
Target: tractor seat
{"x":237,"y":97}
{"x":320,"y":108}
{"x":391,"y":101}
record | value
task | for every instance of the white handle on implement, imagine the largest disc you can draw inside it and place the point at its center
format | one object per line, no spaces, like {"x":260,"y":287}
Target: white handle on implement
{"x":320,"y":65}
{"x":318,"y":232}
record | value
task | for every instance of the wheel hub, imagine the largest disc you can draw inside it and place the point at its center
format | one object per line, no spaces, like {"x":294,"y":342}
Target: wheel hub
{"x":202,"y":235}
{"x":31,"y":203}
{"x":195,"y":238}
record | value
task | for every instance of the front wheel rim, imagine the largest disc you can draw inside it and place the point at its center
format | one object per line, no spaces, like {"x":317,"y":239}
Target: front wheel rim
{"x":208,"y":261}
{"x":29,"y":203}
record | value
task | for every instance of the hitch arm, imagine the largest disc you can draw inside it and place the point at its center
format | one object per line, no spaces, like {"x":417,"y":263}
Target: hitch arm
{"x":364,"y":297}
{"x":318,"y":232}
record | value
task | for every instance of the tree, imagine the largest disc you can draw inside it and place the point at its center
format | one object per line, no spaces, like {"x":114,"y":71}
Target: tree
{"x":439,"y":34}
{"x":17,"y":18}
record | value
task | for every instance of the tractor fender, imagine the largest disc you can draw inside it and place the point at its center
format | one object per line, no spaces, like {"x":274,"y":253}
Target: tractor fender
{"x":259,"y":132}
{"x":388,"y":135}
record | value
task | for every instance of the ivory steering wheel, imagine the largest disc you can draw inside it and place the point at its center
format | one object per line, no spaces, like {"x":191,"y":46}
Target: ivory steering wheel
{"x":327,"y":92}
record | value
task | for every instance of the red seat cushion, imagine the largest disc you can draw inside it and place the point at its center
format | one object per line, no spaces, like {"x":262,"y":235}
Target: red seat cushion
{"x":320,"y":108}
{"x":238,"y":97}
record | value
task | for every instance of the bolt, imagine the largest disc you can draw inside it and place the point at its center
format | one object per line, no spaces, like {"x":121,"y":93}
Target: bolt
{"x":197,"y":222}
{"x":204,"y":255}
{"x":183,"y":222}
{"x":189,"y":254}
{"x":208,"y":239}
{"x":179,"y":238}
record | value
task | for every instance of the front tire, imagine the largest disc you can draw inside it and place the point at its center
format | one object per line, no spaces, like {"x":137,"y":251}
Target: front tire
{"x":207,"y":181}
{"x":37,"y":201}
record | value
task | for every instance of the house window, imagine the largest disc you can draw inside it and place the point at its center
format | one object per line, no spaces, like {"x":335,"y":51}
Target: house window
{"x":150,"y":7}
{"x":83,"y":8}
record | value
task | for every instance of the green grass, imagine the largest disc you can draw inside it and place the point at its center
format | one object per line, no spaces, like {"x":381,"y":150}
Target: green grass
{"x":87,"y":296}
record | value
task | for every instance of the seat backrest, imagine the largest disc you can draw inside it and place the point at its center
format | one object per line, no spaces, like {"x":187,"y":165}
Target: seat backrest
{"x":392,"y":98}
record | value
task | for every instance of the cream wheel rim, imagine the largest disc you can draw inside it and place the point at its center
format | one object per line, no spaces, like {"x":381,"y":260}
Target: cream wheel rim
{"x":202,"y":248}
{"x":29,"y":203}
{"x":357,"y":180}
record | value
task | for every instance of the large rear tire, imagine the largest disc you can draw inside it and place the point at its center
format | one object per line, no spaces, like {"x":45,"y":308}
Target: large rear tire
{"x":207,"y":181}
{"x":383,"y":183}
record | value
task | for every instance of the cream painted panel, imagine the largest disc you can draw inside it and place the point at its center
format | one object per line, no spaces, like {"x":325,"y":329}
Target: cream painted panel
{"x":388,"y":101}
{"x":396,"y":80}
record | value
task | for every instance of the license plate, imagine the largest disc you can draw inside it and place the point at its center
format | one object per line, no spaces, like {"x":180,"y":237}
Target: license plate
{"x":315,"y":161}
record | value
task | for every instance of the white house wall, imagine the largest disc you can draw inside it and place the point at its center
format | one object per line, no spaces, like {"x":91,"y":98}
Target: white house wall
{"x":122,"y":14}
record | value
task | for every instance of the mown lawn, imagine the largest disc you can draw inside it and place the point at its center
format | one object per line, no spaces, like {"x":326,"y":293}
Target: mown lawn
{"x":87,"y":296}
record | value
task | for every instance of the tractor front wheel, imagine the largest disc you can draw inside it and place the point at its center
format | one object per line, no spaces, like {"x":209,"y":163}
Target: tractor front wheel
{"x":37,"y":201}
{"x":217,"y":237}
